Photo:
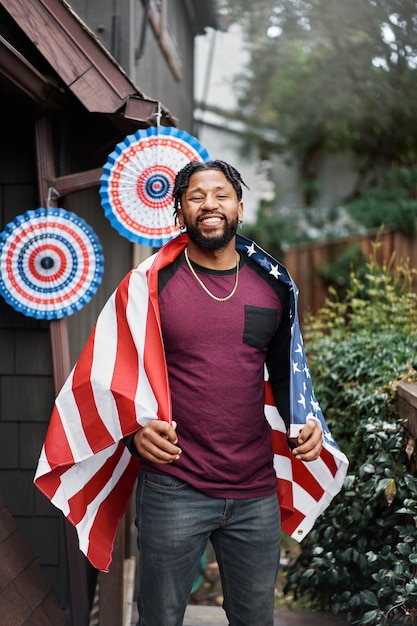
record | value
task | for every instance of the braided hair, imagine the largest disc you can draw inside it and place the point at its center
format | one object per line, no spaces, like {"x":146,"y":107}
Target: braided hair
{"x":182,"y":179}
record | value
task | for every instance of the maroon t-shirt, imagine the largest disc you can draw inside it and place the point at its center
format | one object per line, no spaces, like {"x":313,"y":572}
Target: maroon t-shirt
{"x":215,"y":354}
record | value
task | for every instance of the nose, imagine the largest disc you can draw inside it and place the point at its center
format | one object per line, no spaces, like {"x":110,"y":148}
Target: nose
{"x":210,"y":202}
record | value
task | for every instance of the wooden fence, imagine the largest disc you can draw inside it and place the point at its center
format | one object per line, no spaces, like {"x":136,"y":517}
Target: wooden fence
{"x":304,"y":262}
{"x":407,"y":404}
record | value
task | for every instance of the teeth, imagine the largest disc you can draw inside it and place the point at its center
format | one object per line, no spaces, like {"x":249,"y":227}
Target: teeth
{"x":211,"y":219}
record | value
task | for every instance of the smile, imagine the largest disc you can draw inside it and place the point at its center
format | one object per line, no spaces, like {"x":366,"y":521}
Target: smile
{"x":211,"y":219}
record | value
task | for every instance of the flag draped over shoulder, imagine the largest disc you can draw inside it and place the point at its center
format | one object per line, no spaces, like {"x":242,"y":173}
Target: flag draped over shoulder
{"x":120,"y":381}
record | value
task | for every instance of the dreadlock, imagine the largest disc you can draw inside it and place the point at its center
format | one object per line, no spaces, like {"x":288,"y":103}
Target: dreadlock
{"x":182,"y":179}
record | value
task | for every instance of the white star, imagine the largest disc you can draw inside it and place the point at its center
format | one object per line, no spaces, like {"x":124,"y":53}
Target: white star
{"x":295,"y":367}
{"x":251,"y":249}
{"x":329,"y":437}
{"x":315,"y":405}
{"x":306,"y":371}
{"x":302,"y":401}
{"x":299,"y":348}
{"x":304,"y":386}
{"x":275,"y":272}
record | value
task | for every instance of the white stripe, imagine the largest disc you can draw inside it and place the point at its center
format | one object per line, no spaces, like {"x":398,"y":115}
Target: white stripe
{"x":78,"y":475}
{"x":71,"y":422}
{"x":282,"y":466}
{"x":137,"y":313}
{"x":85,"y":525}
{"x":319,"y":470}
{"x":43,"y":465}
{"x":274,"y":418}
{"x":102,"y":368}
{"x":302,"y":500}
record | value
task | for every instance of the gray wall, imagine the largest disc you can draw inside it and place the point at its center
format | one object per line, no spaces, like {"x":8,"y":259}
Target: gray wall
{"x":151,"y":73}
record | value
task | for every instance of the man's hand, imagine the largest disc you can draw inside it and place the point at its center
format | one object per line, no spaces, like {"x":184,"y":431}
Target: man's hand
{"x":157,"y":441}
{"x":309,"y":442}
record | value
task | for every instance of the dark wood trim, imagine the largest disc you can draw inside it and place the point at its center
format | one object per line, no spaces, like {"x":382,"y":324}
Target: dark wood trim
{"x":26,"y":80}
{"x":76,"y":182}
{"x":76,"y":54}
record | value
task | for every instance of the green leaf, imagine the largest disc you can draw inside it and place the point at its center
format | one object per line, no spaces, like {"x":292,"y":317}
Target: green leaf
{"x":369,"y":598}
{"x":371,"y":617}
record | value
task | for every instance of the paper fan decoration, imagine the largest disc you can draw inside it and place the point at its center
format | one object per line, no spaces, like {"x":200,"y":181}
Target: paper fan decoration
{"x":138,"y":181}
{"x":51,"y":263}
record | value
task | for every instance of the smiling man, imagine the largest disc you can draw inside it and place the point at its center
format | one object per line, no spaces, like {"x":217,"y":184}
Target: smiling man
{"x":210,"y":474}
{"x":171,"y":383}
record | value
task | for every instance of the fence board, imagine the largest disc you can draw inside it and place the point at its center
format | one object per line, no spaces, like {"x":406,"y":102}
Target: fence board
{"x":305,"y":261}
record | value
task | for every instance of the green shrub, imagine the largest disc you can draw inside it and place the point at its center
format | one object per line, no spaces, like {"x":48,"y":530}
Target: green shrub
{"x":336,"y":273}
{"x":361,"y":557}
{"x":390,"y":202}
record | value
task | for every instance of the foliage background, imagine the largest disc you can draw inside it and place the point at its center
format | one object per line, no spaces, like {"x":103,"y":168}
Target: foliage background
{"x":332,"y":78}
{"x":361,"y":557}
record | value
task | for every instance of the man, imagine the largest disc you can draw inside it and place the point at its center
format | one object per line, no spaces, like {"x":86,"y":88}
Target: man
{"x":210,"y":474}
{"x":171,"y":381}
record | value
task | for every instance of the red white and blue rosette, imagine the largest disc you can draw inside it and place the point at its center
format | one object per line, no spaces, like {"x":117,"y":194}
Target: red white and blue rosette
{"x":51,"y":263}
{"x":138,"y":181}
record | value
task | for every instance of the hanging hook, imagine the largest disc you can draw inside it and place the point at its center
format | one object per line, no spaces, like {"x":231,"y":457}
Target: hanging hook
{"x":158,"y":114}
{"x":53,"y":194}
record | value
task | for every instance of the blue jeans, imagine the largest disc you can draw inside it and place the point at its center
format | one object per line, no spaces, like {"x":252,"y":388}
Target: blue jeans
{"x":175,"y":523}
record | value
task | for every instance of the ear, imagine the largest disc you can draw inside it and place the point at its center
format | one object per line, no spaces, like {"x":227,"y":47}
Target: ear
{"x":180,"y":218}
{"x":240,"y":212}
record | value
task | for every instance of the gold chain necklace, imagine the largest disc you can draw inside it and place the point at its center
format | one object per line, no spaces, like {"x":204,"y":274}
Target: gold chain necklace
{"x":200,"y":282}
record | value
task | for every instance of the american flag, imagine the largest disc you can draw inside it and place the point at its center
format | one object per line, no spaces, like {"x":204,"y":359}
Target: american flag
{"x":121,"y":380}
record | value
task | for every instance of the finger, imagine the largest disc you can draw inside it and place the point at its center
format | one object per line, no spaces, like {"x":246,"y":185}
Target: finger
{"x":310,"y":450}
{"x":308,"y":430}
{"x":159,"y":454}
{"x":156,"y":442}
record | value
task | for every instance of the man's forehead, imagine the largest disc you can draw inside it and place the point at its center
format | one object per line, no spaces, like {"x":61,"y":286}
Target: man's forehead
{"x":205,"y":178}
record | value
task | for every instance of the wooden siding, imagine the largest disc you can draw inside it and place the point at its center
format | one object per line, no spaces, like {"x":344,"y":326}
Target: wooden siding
{"x":26,"y":382}
{"x":25,"y":596}
{"x":304,"y":262}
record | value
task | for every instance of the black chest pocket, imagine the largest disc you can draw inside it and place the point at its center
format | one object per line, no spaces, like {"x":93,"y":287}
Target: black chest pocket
{"x":260,"y":326}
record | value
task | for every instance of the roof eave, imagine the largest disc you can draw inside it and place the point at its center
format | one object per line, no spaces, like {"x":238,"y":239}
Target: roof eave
{"x":77,"y":56}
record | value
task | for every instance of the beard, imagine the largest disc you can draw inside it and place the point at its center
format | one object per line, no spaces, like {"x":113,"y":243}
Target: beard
{"x":212,"y":242}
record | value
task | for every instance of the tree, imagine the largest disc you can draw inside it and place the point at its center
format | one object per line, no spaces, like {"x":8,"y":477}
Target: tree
{"x":332,"y":76}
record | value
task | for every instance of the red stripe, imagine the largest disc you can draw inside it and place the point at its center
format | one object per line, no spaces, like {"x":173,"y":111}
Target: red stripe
{"x":58,"y":454}
{"x":49,"y":483}
{"x":285,"y":498}
{"x":154,"y":356}
{"x":303,"y":476}
{"x":280,"y":444}
{"x":269,"y":394}
{"x":329,"y":460}
{"x":104,"y":529}
{"x":95,"y":431}
{"x":290,"y":525}
{"x":126,"y":367}
{"x":57,"y":448}
{"x":301,"y":473}
{"x":80,"y":501}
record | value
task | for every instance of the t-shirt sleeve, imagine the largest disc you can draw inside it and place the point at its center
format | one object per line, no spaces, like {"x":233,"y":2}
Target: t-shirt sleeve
{"x":278,"y":362}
